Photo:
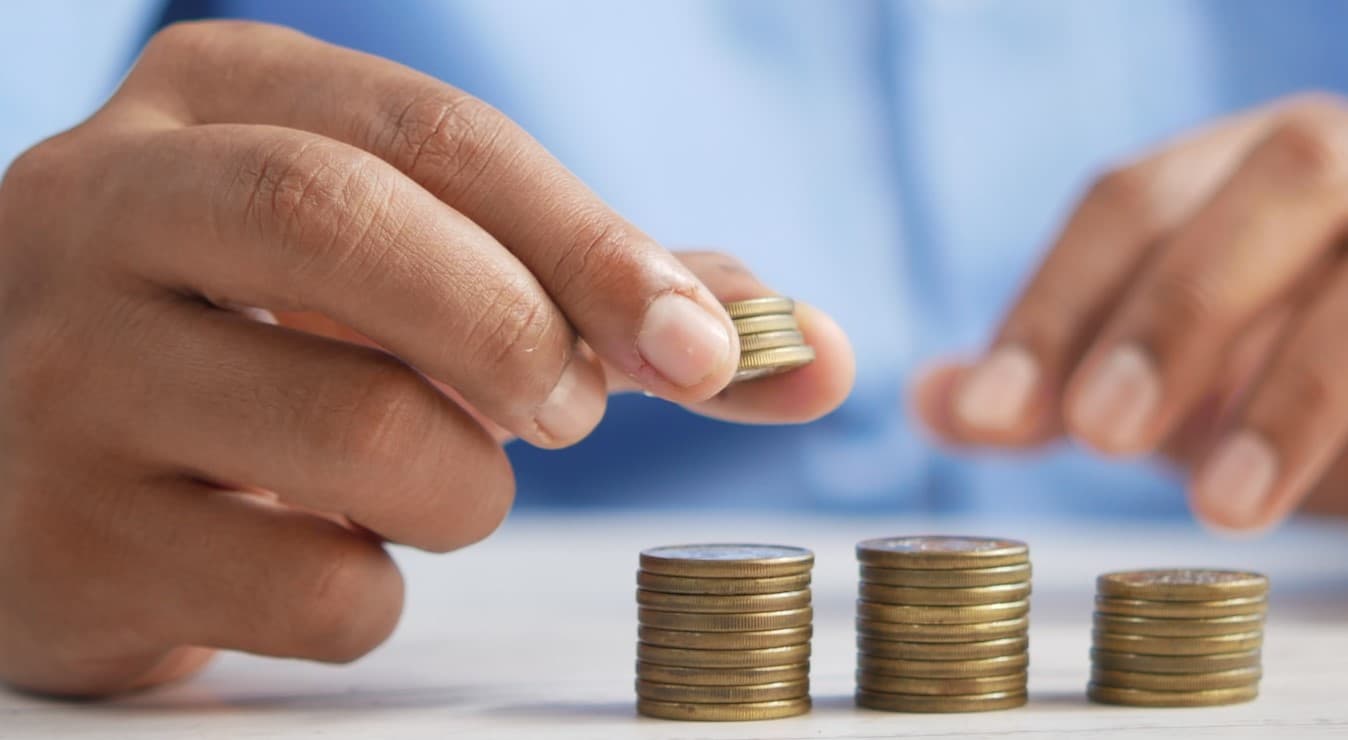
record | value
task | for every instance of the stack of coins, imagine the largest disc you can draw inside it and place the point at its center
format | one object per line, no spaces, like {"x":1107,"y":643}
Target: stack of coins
{"x":770,"y":340}
{"x":941,"y":624}
{"x":724,"y":632}
{"x":1177,"y":638}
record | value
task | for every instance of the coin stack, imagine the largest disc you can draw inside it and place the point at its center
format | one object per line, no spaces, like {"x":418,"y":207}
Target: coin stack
{"x":1177,"y":638}
{"x":941,"y":624}
{"x":724,"y":632}
{"x":770,"y":340}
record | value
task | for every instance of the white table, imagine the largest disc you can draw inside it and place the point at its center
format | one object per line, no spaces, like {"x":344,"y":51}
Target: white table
{"x":531,"y":635}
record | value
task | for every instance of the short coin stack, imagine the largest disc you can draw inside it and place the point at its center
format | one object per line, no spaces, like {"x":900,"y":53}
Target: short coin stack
{"x":941,"y":624}
{"x":724,"y":632}
{"x":1177,"y":638}
{"x":770,"y":340}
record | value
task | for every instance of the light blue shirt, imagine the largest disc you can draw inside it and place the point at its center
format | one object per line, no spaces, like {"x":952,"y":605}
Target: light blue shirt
{"x":900,"y":164}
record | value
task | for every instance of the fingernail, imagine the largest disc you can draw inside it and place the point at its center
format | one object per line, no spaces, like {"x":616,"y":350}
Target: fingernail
{"x":1118,"y":399}
{"x":1237,"y":478}
{"x":998,"y":389}
{"x":682,"y":340}
{"x":570,"y":411}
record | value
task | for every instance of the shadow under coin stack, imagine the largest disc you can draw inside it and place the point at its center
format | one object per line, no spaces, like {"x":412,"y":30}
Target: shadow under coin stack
{"x":724,"y":632}
{"x":1177,"y":638}
{"x":941,"y":624}
{"x":770,"y":340}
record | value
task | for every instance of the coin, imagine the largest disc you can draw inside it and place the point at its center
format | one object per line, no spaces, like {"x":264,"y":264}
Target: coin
{"x":752,"y":622}
{"x":907,"y":596}
{"x":914,"y":703}
{"x":976,"y":632}
{"x":760,"y":306}
{"x":1176,"y":682}
{"x":1174,"y":664}
{"x":724,"y":603}
{"x":724,"y":712}
{"x":722,"y":676}
{"x":727,"y":560}
{"x":681,"y":585}
{"x":1178,"y":627}
{"x":941,"y":552}
{"x":771,"y":361}
{"x":1182,"y":609}
{"x":938,"y":651}
{"x":882,"y":612}
{"x":771,"y":340}
{"x":952,"y":578}
{"x":747,"y":658}
{"x":999,"y":666}
{"x":1182,"y":584}
{"x":766,"y":323}
{"x":722,"y":694}
{"x":724,"y":640}
{"x":940,"y":686}
{"x":1145,"y":698}
{"x":1141,"y":645}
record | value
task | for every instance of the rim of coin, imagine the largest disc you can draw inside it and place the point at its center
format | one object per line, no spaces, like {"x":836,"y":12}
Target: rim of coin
{"x":1152,"y":627}
{"x":728,"y":560}
{"x":1145,"y":698}
{"x":715,"y":659}
{"x":722,"y":676}
{"x":1001,"y":665}
{"x":722,"y":694}
{"x":723,"y":603}
{"x":975,"y":632}
{"x":966,"y":703}
{"x":1181,"y":584}
{"x":722,"y":586}
{"x":941,"y":686}
{"x":1182,"y":609}
{"x":764,"y":323}
{"x":724,"y":712}
{"x":740,"y":622}
{"x":771,"y":340}
{"x":1143,"y":645}
{"x":949,"y":578}
{"x":749,"y":640}
{"x":879,"y":611}
{"x":759,"y":306}
{"x":1176,"y":681}
{"x":941,"y":552}
{"x":970,"y":596}
{"x":772,"y":361}
{"x":1175,"y":664}
{"x":942,"y":651}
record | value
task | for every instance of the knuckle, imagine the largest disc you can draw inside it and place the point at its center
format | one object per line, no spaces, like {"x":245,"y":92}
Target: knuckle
{"x":447,"y":142}
{"x":353,"y":604}
{"x":1126,"y":192}
{"x":1309,"y":390}
{"x":514,"y":337}
{"x":1184,"y":302}
{"x":373,"y":420}
{"x":603,"y":254}
{"x":36,"y":176}
{"x":1309,"y":147}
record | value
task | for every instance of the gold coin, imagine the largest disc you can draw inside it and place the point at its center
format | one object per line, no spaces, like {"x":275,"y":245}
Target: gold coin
{"x":882,"y":612}
{"x":977,"y":668}
{"x":764,"y":323}
{"x":1182,"y":584}
{"x":1178,"y":627}
{"x":772,"y":361}
{"x":1182,"y":609}
{"x":941,"y":552}
{"x":771,"y":340}
{"x":722,"y":694}
{"x":759,"y":306}
{"x":941,"y":686}
{"x":976,"y":632}
{"x":913,"y":703}
{"x":727,"y":560}
{"x":753,"y":622}
{"x":1174,"y":664}
{"x":723,"y":603}
{"x":905,"y":596}
{"x":722,"y":676}
{"x":1213,"y":645}
{"x":736,"y":586}
{"x":724,"y":640}
{"x":748,"y":658}
{"x":1176,"y":682}
{"x":724,"y":712}
{"x":938,"y":651}
{"x":954,"y":578}
{"x":1145,"y":698}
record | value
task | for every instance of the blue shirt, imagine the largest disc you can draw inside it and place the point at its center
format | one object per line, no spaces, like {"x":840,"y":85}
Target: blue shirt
{"x":900,"y":164}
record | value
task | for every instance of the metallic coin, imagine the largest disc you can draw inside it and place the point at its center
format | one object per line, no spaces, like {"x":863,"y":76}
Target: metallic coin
{"x":955,"y":578}
{"x":914,"y":703}
{"x":1145,"y":698}
{"x":1182,"y":609}
{"x":977,"y":668}
{"x":1182,"y":584}
{"x":766,"y":362}
{"x":759,"y":306}
{"x":907,"y":596}
{"x":698,"y":658}
{"x":771,"y":340}
{"x":941,"y":552}
{"x":718,"y":586}
{"x":1174,"y":664}
{"x":766,"y":323}
{"x":1176,"y":682}
{"x":1141,"y":645}
{"x":752,"y":622}
{"x":938,"y":651}
{"x":882,"y":612}
{"x":722,"y":694}
{"x":723,"y":603}
{"x":1178,"y":627}
{"x":724,"y":712}
{"x":727,"y":560}
{"x":721,"y":676}
{"x":941,"y":686}
{"x":976,"y":632}
{"x":724,"y":640}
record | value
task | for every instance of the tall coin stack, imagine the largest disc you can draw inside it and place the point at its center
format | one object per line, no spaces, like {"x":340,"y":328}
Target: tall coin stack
{"x":770,"y":339}
{"x":1177,"y":638}
{"x":724,"y":632}
{"x":942,"y":624}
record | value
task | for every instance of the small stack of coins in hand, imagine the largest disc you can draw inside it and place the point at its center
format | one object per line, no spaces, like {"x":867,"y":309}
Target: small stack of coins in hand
{"x":1177,"y":638}
{"x":941,"y":624}
{"x":770,"y":339}
{"x":724,"y":632}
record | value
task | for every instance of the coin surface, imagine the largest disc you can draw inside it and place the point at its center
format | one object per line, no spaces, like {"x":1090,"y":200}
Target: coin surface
{"x":747,"y":658}
{"x":1181,"y":609}
{"x":765,"y":362}
{"x":1176,"y":681}
{"x":765,"y":323}
{"x":1178,"y":627}
{"x":709,"y":585}
{"x":723,"y":640}
{"x":915,"y":703}
{"x":1174,"y":664}
{"x":950,"y":578}
{"x":1182,"y":584}
{"x":771,"y":340}
{"x":941,"y":686}
{"x":722,"y":676}
{"x":1142,"y":645}
{"x":938,"y":651}
{"x":976,"y":668}
{"x":941,"y":552}
{"x":759,"y":306}
{"x":910,"y":596}
{"x":722,"y":694}
{"x":723,"y":603}
{"x":1145,"y":698}
{"x":724,"y":712}
{"x":750,"y":622}
{"x":889,"y":612}
{"x":727,"y":560}
{"x":976,"y":632}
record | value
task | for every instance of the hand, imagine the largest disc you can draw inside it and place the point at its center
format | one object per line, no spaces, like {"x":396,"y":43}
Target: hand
{"x":178,"y":472}
{"x":1195,"y":304}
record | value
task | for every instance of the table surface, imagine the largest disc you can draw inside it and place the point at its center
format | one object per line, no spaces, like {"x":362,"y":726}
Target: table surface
{"x":531,"y":634}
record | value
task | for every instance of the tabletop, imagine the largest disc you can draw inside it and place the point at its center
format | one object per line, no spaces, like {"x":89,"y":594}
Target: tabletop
{"x":532,"y":633}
